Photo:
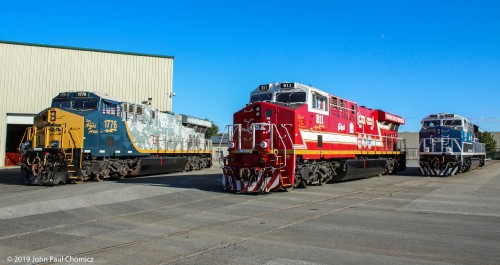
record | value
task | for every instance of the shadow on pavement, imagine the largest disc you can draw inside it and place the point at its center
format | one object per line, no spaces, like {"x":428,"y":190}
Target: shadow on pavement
{"x":202,"y":180}
{"x":410,"y":172}
{"x":11,"y":176}
{"x":188,"y":180}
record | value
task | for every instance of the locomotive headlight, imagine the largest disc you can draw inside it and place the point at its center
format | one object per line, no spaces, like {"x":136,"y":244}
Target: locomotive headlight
{"x":52,"y":115}
{"x":263,"y":145}
{"x":257,"y":111}
{"x":230,"y":145}
{"x":54,"y":144}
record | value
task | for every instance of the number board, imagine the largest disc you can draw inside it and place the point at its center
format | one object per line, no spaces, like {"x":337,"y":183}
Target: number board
{"x":287,"y":85}
{"x":264,"y":87}
{"x":81,"y":94}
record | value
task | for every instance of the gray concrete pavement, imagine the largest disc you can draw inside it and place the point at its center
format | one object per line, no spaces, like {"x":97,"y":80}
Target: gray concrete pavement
{"x":186,"y":218}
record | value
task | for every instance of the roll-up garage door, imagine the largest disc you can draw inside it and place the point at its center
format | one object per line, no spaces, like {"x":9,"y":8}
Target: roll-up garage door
{"x":16,"y":126}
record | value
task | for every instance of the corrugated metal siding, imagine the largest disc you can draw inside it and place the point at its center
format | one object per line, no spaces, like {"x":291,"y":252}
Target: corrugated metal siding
{"x":30,"y":76}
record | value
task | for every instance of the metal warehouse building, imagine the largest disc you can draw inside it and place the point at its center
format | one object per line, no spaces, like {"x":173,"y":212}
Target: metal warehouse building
{"x":31,"y":75}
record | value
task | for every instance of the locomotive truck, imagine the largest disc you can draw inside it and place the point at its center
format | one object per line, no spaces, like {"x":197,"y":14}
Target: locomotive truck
{"x":86,"y":135}
{"x":291,"y":135}
{"x":449,"y":145}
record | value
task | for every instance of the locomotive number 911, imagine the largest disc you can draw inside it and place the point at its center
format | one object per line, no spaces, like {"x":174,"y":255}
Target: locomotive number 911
{"x":291,"y":134}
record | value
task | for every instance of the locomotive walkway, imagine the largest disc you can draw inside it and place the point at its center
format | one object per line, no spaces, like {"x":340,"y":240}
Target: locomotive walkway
{"x":186,"y":218}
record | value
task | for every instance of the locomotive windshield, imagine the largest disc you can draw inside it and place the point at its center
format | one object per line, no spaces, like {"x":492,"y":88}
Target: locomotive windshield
{"x":291,"y":97}
{"x":79,"y":104}
{"x":454,"y":123}
{"x":430,"y":124}
{"x":261,"y":97}
{"x":85,"y":104}
{"x":60,"y":103}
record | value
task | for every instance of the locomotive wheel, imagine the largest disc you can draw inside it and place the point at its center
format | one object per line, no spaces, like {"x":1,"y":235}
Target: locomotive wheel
{"x":119,"y":175}
{"x":98,"y":177}
{"x":390,"y":167}
{"x":321,"y":181}
{"x":77,"y":180}
{"x":319,"y":177}
{"x":436,"y":165}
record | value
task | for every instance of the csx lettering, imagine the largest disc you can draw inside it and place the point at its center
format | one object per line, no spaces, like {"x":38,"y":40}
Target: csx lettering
{"x":369,"y":121}
{"x":365,"y":120}
{"x":361,"y":119}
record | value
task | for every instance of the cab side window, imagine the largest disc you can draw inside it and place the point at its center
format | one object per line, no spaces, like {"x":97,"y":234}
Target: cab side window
{"x":111,"y":109}
{"x":319,"y":102}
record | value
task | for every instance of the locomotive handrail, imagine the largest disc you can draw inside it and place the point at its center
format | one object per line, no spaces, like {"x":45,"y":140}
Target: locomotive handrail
{"x":27,"y":135}
{"x":272,"y":128}
{"x":291,"y":142}
{"x":230,"y":135}
{"x":480,"y":146}
{"x":437,"y":145}
{"x":79,"y":141}
{"x":401,"y":141}
{"x":284,"y":146}
{"x":268,"y":127}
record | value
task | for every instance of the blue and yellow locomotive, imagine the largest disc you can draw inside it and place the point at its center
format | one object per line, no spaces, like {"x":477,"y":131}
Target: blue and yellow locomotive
{"x":85,"y":135}
{"x":449,"y":145}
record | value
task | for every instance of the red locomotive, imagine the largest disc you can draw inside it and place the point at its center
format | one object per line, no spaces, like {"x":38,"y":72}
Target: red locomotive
{"x":291,"y":135}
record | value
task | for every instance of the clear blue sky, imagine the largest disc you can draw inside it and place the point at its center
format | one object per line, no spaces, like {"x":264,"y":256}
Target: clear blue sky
{"x":411,"y":58}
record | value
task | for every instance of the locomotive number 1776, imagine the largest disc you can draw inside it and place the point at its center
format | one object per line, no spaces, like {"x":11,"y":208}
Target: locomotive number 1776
{"x":110,"y":126}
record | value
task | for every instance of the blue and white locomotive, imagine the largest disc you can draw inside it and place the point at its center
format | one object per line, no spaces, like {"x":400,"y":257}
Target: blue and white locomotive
{"x":85,"y":135}
{"x":449,"y":145}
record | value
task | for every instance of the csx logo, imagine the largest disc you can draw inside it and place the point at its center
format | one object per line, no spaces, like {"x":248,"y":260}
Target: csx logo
{"x":365,"y":120}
